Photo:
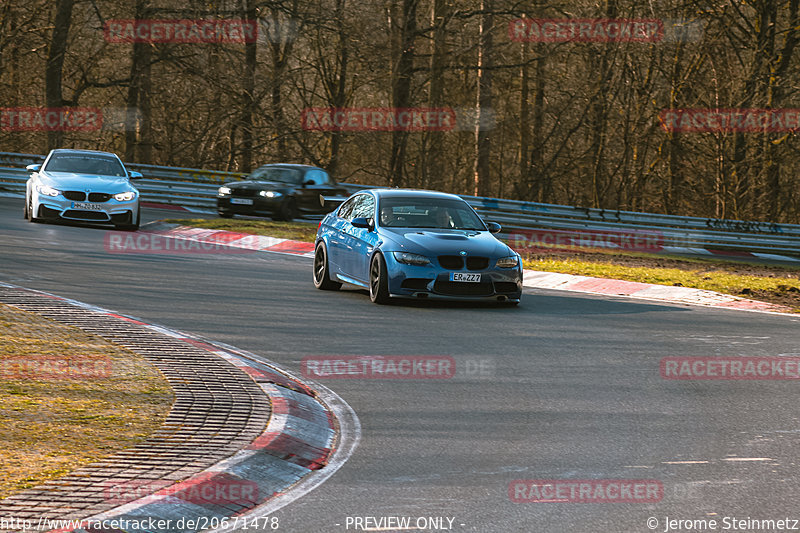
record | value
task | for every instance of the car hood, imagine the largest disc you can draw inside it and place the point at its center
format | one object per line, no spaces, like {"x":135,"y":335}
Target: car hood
{"x":260,"y":185}
{"x":68,"y":181}
{"x":445,"y":242}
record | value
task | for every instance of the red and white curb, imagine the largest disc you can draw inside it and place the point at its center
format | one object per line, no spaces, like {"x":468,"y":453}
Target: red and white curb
{"x":647,"y":291}
{"x":532,"y":278}
{"x":311,"y":431}
{"x":244,"y":241}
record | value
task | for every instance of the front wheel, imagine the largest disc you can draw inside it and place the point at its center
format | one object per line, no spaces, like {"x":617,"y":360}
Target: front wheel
{"x":378,"y":280}
{"x":322,"y":278}
{"x":287,"y":211}
{"x":132,"y":227}
{"x":29,"y":210}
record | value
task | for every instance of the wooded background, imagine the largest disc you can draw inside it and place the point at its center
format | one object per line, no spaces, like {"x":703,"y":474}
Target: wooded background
{"x":568,"y":123}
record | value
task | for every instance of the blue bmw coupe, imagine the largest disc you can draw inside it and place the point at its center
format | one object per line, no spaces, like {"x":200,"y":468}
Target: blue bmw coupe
{"x":415,"y":244}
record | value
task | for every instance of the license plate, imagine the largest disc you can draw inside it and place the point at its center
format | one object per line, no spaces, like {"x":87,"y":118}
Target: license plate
{"x":466,"y":277}
{"x":242,"y":201}
{"x":87,"y":207}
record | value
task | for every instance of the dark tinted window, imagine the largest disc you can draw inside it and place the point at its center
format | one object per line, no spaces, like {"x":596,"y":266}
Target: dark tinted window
{"x":433,"y":213}
{"x":365,"y":207}
{"x":85,"y":164}
{"x":292,"y":176}
{"x":317,"y":176}
{"x":346,"y":208}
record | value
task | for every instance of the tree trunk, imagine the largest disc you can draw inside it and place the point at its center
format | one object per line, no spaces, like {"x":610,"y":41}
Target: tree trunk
{"x":248,"y":90}
{"x":778,"y":92}
{"x":339,"y":94}
{"x":483,"y":128}
{"x":55,"y":64}
{"x":433,"y":174}
{"x":401,"y":85}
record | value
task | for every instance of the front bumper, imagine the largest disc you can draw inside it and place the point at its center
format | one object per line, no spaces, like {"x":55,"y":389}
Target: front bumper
{"x":109,"y":212}
{"x":261,"y":205}
{"x":409,"y":281}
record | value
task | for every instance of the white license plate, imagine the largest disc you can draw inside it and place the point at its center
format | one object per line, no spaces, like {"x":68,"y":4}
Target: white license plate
{"x":87,"y":207}
{"x":242,"y":201}
{"x":464,"y":276}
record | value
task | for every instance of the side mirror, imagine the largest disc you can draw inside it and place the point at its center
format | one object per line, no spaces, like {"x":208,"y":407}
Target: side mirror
{"x":309,"y":182}
{"x":34,"y":168}
{"x":361,"y":222}
{"x":494,"y":227}
{"x":135,"y":175}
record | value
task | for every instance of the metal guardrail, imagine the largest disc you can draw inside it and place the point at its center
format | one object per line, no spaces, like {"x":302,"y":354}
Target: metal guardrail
{"x":197,"y":188}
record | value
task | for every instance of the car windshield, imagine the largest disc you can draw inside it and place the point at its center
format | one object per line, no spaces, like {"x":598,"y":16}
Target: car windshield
{"x":433,"y":213}
{"x":85,"y":164}
{"x":283,"y":175}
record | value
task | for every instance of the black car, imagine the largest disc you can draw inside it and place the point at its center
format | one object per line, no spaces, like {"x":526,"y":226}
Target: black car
{"x":282,"y":191}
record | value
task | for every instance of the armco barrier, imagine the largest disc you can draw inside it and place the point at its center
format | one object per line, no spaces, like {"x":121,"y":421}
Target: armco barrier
{"x":197,"y":188}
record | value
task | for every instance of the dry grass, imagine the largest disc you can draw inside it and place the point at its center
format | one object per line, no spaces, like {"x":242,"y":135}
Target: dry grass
{"x":52,"y":424}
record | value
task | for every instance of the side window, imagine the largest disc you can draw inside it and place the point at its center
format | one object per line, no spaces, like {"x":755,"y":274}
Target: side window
{"x":365,"y":208}
{"x":318,"y":176}
{"x":346,"y":209}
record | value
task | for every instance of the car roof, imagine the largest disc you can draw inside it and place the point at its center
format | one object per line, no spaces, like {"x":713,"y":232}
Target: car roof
{"x":297,"y":166}
{"x":79,"y":151}
{"x":420,"y":193}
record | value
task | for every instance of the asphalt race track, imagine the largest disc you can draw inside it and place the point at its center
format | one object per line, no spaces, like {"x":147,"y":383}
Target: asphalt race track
{"x":571,"y":387}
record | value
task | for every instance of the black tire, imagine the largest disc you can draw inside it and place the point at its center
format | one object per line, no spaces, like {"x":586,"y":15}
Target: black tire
{"x":25,"y":210}
{"x":224,"y":214}
{"x":378,"y":280}
{"x":322,"y":278}
{"x":132,"y":227}
{"x":29,"y":211}
{"x":287,"y":211}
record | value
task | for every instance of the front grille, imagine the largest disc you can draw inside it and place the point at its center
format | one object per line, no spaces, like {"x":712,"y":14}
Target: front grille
{"x":85,"y":215}
{"x":244,"y":193}
{"x":451,"y":262}
{"x":99,"y":197}
{"x":416,"y":284}
{"x":75,"y":196}
{"x":505,"y":286}
{"x":477,"y":263}
{"x":457,"y":288}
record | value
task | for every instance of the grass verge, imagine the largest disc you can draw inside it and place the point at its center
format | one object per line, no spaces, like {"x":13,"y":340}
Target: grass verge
{"x":774,"y":284}
{"x":296,"y":231}
{"x":54,"y":422}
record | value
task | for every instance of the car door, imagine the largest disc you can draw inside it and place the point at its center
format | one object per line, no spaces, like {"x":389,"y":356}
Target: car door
{"x":361,"y":240}
{"x":316,"y":183}
{"x":337,"y":251}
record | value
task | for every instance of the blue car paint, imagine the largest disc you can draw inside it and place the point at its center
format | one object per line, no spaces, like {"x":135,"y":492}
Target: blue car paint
{"x":350,"y":251}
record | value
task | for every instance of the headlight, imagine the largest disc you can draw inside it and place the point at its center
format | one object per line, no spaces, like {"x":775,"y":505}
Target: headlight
{"x":222,"y":191}
{"x":508,"y":262}
{"x":125,"y":196}
{"x":269,"y":194}
{"x":411,"y":259}
{"x":47,"y":190}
